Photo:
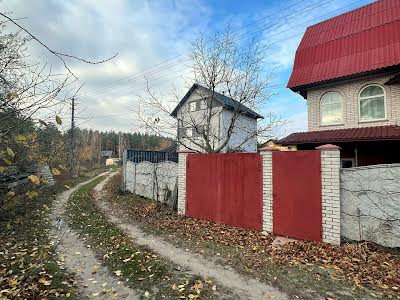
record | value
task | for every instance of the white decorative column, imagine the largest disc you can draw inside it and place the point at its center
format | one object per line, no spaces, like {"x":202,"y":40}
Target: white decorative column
{"x":330,"y":180}
{"x":182,"y":180}
{"x":266,"y":156}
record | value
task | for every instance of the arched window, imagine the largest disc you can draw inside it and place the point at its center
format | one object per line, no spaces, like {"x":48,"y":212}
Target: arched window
{"x":372,"y":103}
{"x":331,"y":109}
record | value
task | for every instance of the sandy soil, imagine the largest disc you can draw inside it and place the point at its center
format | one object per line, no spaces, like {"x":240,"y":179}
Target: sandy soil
{"x":94,"y":279}
{"x":242,"y":287}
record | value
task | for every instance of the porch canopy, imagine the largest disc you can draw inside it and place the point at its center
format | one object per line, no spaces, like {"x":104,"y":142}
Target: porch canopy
{"x":360,"y":146}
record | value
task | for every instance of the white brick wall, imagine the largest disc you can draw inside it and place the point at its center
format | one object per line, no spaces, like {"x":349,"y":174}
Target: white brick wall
{"x":182,"y":183}
{"x":349,"y":92}
{"x":330,"y":163}
{"x":266,"y":156}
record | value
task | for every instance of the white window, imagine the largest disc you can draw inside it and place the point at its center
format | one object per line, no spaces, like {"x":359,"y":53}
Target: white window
{"x":331,"y":109}
{"x":372,"y":103}
{"x":193,"y":106}
{"x":189,"y":132}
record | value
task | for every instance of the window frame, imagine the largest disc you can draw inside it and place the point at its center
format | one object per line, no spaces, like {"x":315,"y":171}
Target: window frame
{"x":360,"y":120}
{"x":195,"y":106}
{"x":320,"y":109}
{"x":199,"y":104}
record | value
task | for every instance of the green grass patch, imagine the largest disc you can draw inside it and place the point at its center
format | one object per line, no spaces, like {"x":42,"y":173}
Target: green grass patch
{"x":137,"y":266}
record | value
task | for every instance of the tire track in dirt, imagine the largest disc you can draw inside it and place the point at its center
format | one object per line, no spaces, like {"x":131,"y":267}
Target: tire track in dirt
{"x":242,"y":287}
{"x":94,"y":280}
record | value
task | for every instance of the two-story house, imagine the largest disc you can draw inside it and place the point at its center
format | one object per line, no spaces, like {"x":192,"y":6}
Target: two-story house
{"x":348,"y":70}
{"x":208,"y":116}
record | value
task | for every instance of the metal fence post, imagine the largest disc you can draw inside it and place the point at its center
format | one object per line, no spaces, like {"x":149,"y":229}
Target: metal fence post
{"x":124,"y":162}
{"x":134,"y":179}
{"x":154,"y":179}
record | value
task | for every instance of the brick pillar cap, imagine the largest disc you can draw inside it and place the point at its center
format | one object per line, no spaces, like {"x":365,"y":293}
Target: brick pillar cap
{"x":185,"y":151}
{"x":328,"y":147}
{"x":268,"y":149}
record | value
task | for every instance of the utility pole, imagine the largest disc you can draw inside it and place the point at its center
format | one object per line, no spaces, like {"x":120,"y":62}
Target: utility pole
{"x":72,"y":158}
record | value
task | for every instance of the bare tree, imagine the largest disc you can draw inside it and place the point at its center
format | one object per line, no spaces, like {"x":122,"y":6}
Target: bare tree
{"x":31,"y":92}
{"x":225,"y":70}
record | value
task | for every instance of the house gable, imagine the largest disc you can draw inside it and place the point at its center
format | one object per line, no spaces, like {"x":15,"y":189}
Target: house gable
{"x":226,"y":102}
{"x":191,"y":120}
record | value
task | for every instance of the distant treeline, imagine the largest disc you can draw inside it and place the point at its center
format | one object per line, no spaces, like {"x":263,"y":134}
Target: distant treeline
{"x":30,"y":143}
{"x":111,"y":140}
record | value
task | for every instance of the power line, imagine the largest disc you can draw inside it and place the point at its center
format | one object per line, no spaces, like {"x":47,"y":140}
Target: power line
{"x":100,"y":92}
{"x":236,"y":30}
{"x":263,"y":27}
{"x":131,"y":112}
{"x":280,"y":84}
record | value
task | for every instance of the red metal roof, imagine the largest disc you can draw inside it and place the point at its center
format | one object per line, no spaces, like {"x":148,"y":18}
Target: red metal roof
{"x":378,"y":133}
{"x":362,"y":40}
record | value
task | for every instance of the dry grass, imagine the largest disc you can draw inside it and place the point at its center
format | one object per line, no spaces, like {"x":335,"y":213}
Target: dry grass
{"x":361,"y":269}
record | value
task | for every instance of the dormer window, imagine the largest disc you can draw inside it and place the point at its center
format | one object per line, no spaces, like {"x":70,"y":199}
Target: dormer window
{"x":372,"y":103}
{"x":331,"y":109}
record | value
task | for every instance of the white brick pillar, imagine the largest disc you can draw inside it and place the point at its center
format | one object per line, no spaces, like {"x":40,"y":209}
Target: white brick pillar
{"x":266,"y":156}
{"x":330,"y":172}
{"x":182,"y":181}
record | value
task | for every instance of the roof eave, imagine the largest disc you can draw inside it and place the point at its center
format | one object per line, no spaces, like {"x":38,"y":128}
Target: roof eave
{"x":304,"y":87}
{"x":336,"y":141}
{"x":174,"y":113}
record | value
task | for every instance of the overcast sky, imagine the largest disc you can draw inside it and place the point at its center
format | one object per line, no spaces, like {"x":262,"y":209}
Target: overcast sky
{"x":147,"y":33}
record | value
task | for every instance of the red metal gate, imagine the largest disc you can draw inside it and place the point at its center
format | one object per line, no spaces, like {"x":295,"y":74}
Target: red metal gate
{"x":297,"y":201}
{"x":225,"y":188}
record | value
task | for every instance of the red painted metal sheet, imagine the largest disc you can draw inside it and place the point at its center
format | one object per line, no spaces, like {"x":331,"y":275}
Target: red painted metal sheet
{"x":225,"y":188}
{"x":361,"y":40}
{"x":376,"y":133}
{"x":297,"y":199}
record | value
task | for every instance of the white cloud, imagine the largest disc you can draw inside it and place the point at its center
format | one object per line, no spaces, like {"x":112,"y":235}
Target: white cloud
{"x":143,"y":33}
{"x":295,"y":123}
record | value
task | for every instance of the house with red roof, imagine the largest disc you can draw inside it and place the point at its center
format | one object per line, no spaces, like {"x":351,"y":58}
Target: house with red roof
{"x":348,"y":70}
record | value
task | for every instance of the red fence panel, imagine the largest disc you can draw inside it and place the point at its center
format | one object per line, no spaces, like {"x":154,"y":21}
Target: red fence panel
{"x":225,"y":188}
{"x":297,"y":199}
